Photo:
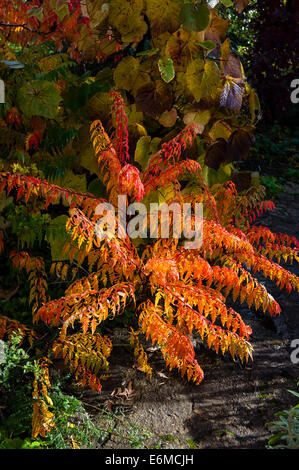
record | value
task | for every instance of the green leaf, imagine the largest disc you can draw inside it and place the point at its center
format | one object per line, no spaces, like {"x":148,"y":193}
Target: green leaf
{"x":72,"y":181}
{"x":126,"y":17}
{"x":166,"y":69}
{"x":88,"y":160}
{"x":142,"y":151}
{"x":193,"y":76}
{"x":210,"y":79}
{"x":57,"y":237}
{"x":227,"y":3}
{"x":39,"y":98}
{"x":163,"y":16}
{"x":62,"y":12}
{"x":148,"y":52}
{"x":77,"y":96}
{"x":209,"y":45}
{"x":296,"y":394}
{"x":97,"y":188}
{"x":126,"y":73}
{"x":201,"y":118}
{"x":37,"y":12}
{"x":191,"y":444}
{"x":105,"y":78}
{"x":195,"y":18}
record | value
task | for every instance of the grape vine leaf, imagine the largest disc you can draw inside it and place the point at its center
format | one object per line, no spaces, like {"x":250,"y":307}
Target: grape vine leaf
{"x":195,"y":17}
{"x":39,"y":98}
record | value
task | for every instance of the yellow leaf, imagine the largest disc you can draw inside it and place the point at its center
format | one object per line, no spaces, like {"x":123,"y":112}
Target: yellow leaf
{"x":163,"y":16}
{"x":201,"y":118}
{"x":142,"y":151}
{"x":210,"y":80}
{"x":168,"y":118}
{"x":126,"y":73}
{"x":182,"y":47}
{"x":220,"y":129}
{"x":194,"y":75}
{"x":126,"y":17}
{"x":96,"y":10}
{"x":49,"y":400}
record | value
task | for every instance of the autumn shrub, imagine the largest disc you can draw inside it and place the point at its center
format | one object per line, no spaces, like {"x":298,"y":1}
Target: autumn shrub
{"x":156,"y":109}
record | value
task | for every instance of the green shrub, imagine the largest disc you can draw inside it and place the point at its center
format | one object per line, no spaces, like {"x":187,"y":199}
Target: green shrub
{"x":285,"y":431}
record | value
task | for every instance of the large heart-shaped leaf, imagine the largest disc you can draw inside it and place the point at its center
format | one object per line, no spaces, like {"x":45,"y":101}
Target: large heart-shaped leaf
{"x":195,"y":17}
{"x":126,"y":17}
{"x":163,"y":16}
{"x":239,"y":144}
{"x":216,"y":154}
{"x":39,"y":98}
{"x":154,"y":98}
{"x":217,"y":29}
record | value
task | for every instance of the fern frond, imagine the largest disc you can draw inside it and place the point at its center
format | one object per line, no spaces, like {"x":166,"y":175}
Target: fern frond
{"x":89,"y":307}
{"x":239,"y":281}
{"x":129,"y":183}
{"x":35,"y":268}
{"x":42,"y":418}
{"x":282,"y":277}
{"x":28,"y":186}
{"x":139,"y":353}
{"x":257,"y":235}
{"x":55,"y":63}
{"x":176,"y":348}
{"x":173,"y":173}
{"x":115,"y":249}
{"x":171,"y":152}
{"x":216,"y":240}
{"x":11,"y":327}
{"x":240,"y":210}
{"x":273,"y":245}
{"x":85,"y":354}
{"x":121,"y":138}
{"x":108,"y":161}
{"x":117,"y":178}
